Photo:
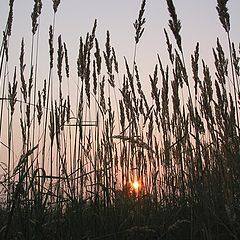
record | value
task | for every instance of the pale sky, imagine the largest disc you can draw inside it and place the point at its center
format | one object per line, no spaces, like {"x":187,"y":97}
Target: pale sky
{"x":75,"y":18}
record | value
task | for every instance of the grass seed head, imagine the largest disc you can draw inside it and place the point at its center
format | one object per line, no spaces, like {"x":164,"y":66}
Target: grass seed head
{"x":223,"y":14}
{"x":35,"y":14}
{"x":138,"y":25}
{"x":51,"y":49}
{"x":55,"y":5}
{"x":174,"y":24}
{"x":10,"y":18}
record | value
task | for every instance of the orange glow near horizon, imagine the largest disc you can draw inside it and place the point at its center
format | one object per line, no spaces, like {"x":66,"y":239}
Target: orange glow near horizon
{"x":136,"y":185}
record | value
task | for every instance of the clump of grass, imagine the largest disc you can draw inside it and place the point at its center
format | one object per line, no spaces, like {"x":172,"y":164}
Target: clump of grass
{"x":73,"y":178}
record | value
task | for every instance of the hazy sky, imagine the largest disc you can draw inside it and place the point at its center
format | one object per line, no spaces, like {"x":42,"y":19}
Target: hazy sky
{"x":75,"y":17}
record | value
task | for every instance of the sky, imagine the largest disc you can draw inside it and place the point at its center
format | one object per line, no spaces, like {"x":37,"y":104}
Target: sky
{"x":75,"y":18}
{"x":200,"y":23}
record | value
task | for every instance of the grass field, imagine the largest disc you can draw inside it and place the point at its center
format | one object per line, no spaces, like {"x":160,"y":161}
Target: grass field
{"x":80,"y":156}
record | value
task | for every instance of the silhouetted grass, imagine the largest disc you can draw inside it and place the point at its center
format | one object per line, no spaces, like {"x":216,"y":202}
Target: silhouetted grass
{"x":72,"y":179}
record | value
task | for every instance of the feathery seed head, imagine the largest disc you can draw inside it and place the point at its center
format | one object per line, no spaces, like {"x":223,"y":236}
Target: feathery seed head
{"x":55,"y":5}
{"x":174,"y":23}
{"x":51,"y":49}
{"x":138,"y":25}
{"x":10,"y":18}
{"x":223,"y":14}
{"x":98,"y":57}
{"x":66,"y":60}
{"x":35,"y":14}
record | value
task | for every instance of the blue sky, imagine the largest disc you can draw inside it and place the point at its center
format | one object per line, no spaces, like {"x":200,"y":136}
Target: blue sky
{"x":75,"y":18}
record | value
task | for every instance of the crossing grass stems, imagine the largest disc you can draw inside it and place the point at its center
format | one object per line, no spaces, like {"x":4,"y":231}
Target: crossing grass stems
{"x":73,"y":177}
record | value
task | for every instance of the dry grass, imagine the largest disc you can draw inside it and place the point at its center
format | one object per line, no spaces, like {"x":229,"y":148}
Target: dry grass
{"x":72,"y":178}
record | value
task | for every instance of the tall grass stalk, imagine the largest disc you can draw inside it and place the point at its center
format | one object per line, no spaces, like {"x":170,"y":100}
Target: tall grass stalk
{"x":79,"y":156}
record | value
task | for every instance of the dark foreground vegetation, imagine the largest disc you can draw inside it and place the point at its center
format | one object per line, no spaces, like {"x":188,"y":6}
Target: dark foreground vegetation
{"x":72,"y":179}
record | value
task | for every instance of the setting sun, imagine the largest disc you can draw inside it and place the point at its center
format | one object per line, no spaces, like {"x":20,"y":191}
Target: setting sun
{"x":136,"y":185}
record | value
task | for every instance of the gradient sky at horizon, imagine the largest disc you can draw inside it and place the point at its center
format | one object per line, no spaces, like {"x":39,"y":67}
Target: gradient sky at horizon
{"x":75,"y":18}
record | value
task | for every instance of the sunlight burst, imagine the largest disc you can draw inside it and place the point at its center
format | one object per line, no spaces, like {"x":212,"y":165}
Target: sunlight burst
{"x":136,"y":185}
